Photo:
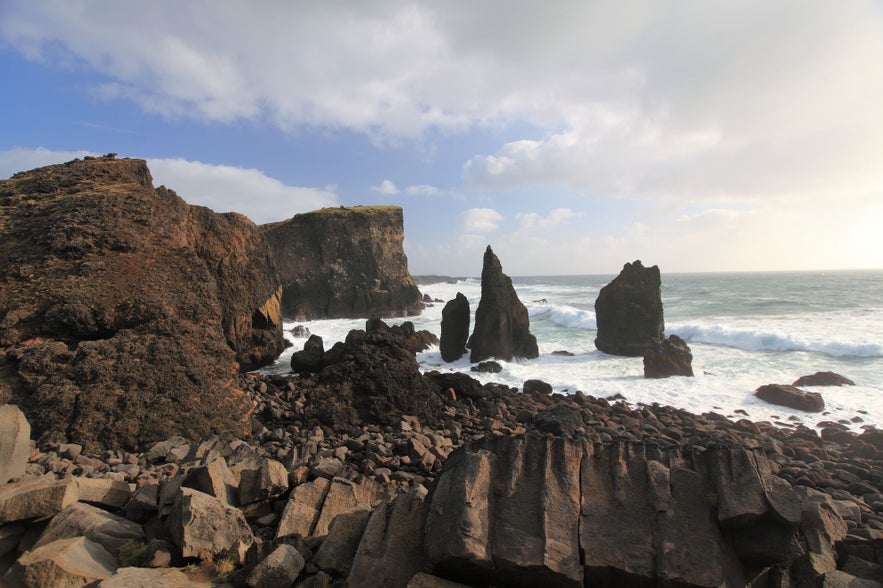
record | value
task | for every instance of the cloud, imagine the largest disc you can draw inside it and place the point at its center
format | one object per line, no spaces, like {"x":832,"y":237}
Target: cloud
{"x":386,"y":187}
{"x":532,"y":221}
{"x":480,"y":220}
{"x":222,"y":188}
{"x":422,"y":190}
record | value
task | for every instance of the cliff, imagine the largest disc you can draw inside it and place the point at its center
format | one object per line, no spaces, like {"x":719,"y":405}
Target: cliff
{"x":343,"y":262}
{"x":125,"y":313}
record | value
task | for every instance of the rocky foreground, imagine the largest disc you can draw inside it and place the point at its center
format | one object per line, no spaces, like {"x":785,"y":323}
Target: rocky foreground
{"x":339,"y":484}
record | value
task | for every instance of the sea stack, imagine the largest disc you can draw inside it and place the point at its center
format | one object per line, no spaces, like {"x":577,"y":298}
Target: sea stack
{"x":127,"y":311}
{"x":669,"y":357}
{"x":454,"y":328}
{"x":628,"y":311}
{"x":344,"y":263}
{"x":502,"y":326}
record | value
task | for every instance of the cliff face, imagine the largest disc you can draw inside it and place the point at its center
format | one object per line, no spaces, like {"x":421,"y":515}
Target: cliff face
{"x":344,"y":263}
{"x":125,"y":313}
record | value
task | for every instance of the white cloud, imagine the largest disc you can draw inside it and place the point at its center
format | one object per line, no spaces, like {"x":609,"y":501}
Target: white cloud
{"x":386,"y":187}
{"x":222,"y":188}
{"x":422,"y":190}
{"x":532,"y":221}
{"x":480,"y":220}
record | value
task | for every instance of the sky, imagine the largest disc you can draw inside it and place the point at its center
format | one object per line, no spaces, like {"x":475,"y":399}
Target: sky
{"x":572,"y":136}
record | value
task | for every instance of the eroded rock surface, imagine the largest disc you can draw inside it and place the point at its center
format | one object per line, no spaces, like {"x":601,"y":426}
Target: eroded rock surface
{"x":628,"y":311}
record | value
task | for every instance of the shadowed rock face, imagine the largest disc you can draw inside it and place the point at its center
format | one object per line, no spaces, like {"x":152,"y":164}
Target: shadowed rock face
{"x":671,"y":357}
{"x":344,"y":263}
{"x":454,"y":328}
{"x":628,"y":311}
{"x":126,"y":313}
{"x":502,"y":326}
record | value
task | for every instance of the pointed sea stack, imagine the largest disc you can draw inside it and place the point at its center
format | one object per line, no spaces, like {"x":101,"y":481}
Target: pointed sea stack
{"x":628,"y":311}
{"x":454,"y":328}
{"x":502,"y":327}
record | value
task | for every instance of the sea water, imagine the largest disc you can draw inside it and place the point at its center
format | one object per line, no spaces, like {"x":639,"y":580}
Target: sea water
{"x":745,"y":330}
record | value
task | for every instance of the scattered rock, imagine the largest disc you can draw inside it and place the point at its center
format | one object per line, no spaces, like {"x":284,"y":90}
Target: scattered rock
{"x":537,"y":387}
{"x":784,"y":395}
{"x":487,"y":367}
{"x":823,"y":379}
{"x":67,"y":562}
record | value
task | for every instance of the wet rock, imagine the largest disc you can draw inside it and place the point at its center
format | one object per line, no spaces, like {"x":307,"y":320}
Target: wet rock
{"x":502,"y":325}
{"x":629,"y":311}
{"x":67,"y":562}
{"x":537,"y":387}
{"x":823,"y":379}
{"x":487,"y":367}
{"x":670,"y":357}
{"x":309,"y":360}
{"x":15,"y":439}
{"x":454,"y":328}
{"x":791,"y":397}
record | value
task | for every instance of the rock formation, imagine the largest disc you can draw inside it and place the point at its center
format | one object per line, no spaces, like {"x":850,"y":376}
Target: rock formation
{"x":628,"y":311}
{"x":792,"y":397}
{"x":823,"y":379}
{"x":671,"y":357}
{"x":502,"y":326}
{"x":125,"y":313}
{"x":454,"y":328}
{"x":344,"y":263}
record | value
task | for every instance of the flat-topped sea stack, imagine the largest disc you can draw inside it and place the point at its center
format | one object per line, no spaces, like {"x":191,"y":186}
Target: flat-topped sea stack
{"x":502,"y":326}
{"x":125,"y":313}
{"x":628,"y":311}
{"x":344,"y":263}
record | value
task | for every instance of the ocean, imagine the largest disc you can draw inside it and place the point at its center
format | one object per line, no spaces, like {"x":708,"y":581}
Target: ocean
{"x":745,"y":330}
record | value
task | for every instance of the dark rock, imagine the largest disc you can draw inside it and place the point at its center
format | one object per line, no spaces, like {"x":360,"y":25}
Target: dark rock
{"x":558,"y":420}
{"x":344,"y":263}
{"x":670,"y":357}
{"x":792,"y":397}
{"x":127,"y":310}
{"x":309,"y":360}
{"x":562,"y":353}
{"x":628,"y":311}
{"x":464,"y":385}
{"x":502,"y":325}
{"x":300,"y":331}
{"x":411,"y":339}
{"x":487,"y":367}
{"x":454,"y":328}
{"x":537,"y":387}
{"x":823,"y":379}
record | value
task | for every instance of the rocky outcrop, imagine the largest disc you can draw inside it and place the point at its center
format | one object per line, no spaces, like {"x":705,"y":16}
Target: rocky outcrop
{"x":502,"y":326}
{"x":792,"y":397}
{"x":15,"y":442}
{"x":454,"y":328}
{"x":670,"y":357}
{"x":823,"y":379}
{"x":124,"y":312}
{"x":628,"y":311}
{"x":344,"y":263}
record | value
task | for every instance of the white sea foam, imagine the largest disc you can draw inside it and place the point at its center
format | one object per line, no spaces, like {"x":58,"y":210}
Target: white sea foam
{"x":563,"y":316}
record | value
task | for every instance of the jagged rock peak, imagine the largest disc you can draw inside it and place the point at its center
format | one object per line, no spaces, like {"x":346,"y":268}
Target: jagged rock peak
{"x":628,"y":311}
{"x":502,"y":325}
{"x":344,"y":263}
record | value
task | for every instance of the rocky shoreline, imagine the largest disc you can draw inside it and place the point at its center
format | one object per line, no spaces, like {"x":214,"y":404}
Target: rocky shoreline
{"x":380,"y":501}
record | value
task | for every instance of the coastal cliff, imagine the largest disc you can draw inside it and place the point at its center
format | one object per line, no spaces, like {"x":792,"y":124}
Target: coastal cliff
{"x":125,"y":313}
{"x":343,"y":263}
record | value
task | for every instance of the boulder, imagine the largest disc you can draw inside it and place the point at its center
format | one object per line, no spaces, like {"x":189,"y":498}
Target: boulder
{"x":464,"y":386}
{"x":278,"y":570}
{"x":537,"y":387}
{"x":628,"y":311}
{"x":823,"y":379}
{"x":127,"y":311}
{"x":424,"y":580}
{"x":336,"y":554}
{"x":35,"y":498}
{"x":344,"y":263}
{"x":454,"y":328}
{"x":15,"y":442}
{"x":784,"y":395}
{"x":487,"y":367}
{"x":502,"y":325}
{"x":204,"y":527}
{"x":345,"y":496}
{"x":108,"y":530}
{"x":669,"y":357}
{"x":214,"y":479}
{"x":103,"y":492}
{"x":149,"y":578}
{"x":309,"y":359}
{"x":68,"y":562}
{"x":267,"y":481}
{"x":303,"y":508}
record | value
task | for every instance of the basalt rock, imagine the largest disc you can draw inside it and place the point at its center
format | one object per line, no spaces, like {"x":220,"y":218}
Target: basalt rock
{"x":791,"y":397}
{"x":454,"y":328}
{"x":344,"y":263}
{"x":125,"y":313}
{"x":628,"y":311}
{"x":670,"y":357}
{"x":502,"y":326}
{"x":824,"y":379}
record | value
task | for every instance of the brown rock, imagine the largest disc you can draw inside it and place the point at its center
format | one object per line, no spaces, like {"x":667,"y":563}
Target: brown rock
{"x":791,"y":397}
{"x":502,"y":325}
{"x":68,"y":562}
{"x":108,"y":530}
{"x":670,"y":357}
{"x":128,"y":312}
{"x":628,"y":311}
{"x":344,"y":263}
{"x":823,"y":379}
{"x":34,"y":498}
{"x":103,"y":492}
{"x":149,"y":578}
{"x":204,"y":527}
{"x":278,"y":570}
{"x":303,"y":508}
{"x":15,"y":442}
